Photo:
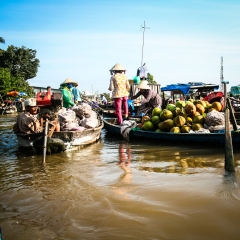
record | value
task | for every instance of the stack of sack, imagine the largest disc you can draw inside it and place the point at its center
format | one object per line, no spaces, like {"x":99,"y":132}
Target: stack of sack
{"x":68,"y":120}
{"x":88,"y":117}
{"x":215,"y":121}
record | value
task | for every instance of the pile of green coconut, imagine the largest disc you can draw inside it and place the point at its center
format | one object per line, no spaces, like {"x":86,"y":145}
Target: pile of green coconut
{"x":181,"y":117}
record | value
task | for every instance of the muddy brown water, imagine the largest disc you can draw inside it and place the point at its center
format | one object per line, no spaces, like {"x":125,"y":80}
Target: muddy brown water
{"x":117,"y":190}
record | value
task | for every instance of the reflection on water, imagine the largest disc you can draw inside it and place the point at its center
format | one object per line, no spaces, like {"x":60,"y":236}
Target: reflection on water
{"x":117,"y":190}
{"x":125,"y":156}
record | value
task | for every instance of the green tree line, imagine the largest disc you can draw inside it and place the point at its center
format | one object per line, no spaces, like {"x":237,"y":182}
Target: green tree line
{"x":17,"y":66}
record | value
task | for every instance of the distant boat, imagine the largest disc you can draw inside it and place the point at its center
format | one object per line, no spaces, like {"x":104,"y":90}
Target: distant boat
{"x":7,"y":107}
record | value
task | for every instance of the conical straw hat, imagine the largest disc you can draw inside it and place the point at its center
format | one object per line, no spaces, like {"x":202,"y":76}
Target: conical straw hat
{"x":117,"y":67}
{"x":68,"y":80}
{"x":143,"y":85}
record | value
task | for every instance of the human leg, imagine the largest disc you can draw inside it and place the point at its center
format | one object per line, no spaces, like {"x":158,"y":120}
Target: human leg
{"x":125,"y":106}
{"x":118,"y":109}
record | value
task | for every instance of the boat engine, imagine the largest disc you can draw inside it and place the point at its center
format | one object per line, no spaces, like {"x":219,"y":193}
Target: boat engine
{"x":49,"y":104}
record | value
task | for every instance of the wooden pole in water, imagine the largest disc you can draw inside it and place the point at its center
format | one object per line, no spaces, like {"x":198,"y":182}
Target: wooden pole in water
{"x":45,"y":141}
{"x":229,"y":158}
{"x":232,"y":117}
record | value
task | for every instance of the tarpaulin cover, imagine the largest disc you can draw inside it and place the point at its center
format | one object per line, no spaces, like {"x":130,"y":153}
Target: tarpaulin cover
{"x":22,"y":94}
{"x":177,"y":87}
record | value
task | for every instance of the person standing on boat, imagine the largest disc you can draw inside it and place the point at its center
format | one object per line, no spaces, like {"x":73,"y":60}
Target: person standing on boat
{"x":67,"y":95}
{"x":77,"y":94}
{"x":152,"y":99}
{"x":27,"y":121}
{"x":103,"y":99}
{"x":49,"y":90}
{"x":120,"y":87}
{"x":142,"y":72}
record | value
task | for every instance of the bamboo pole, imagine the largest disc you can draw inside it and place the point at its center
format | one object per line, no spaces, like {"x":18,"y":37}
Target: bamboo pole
{"x":45,"y":141}
{"x":229,"y":158}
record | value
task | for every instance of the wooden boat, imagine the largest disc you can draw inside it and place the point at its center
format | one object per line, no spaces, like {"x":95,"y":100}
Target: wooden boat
{"x":208,"y":139}
{"x":7,"y":106}
{"x":61,"y":141}
{"x":8,"y":109}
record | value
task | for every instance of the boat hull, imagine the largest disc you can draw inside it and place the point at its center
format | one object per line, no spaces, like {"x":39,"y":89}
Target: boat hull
{"x":8,"y":110}
{"x":70,"y":139}
{"x":209,"y":139}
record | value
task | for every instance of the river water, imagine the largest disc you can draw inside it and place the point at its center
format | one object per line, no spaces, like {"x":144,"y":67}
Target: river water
{"x":113,"y":189}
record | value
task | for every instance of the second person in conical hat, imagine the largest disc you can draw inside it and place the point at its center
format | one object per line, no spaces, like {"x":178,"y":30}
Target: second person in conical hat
{"x":152,"y":98}
{"x":120,"y":87}
{"x":66,"y":87}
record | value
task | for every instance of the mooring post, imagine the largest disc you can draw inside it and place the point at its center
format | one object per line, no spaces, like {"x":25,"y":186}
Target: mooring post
{"x":232,"y":116}
{"x":229,"y":158}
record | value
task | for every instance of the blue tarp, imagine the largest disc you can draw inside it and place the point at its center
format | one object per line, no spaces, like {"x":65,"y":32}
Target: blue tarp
{"x":184,"y":88}
{"x":21,"y":94}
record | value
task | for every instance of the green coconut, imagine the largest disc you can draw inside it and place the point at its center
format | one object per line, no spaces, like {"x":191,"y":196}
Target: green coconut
{"x":199,"y":119}
{"x":196,"y":126}
{"x":208,"y":105}
{"x":195,"y":114}
{"x":155,"y":120}
{"x":187,"y":102}
{"x":166,"y":125}
{"x":203,"y":103}
{"x":171,"y":107}
{"x":161,"y":126}
{"x":175,"y":130}
{"x":189,"y":120}
{"x":156,"y":111}
{"x":190,"y":108}
{"x":200,"y":108}
{"x":182,"y":112}
{"x":176,"y":111}
{"x":180,"y":104}
{"x":179,"y":121}
{"x":166,"y":114}
{"x":217,"y":106}
{"x":148,"y":126}
{"x":185,"y":129}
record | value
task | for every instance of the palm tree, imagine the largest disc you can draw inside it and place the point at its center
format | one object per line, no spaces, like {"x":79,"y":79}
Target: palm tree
{"x":2,"y":40}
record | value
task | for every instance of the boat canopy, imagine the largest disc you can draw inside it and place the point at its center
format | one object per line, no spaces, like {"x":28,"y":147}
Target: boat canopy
{"x":187,"y":88}
{"x":181,"y":88}
{"x":206,"y":87}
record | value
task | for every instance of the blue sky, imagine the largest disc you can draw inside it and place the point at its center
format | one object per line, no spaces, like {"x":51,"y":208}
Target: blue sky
{"x":82,"y":39}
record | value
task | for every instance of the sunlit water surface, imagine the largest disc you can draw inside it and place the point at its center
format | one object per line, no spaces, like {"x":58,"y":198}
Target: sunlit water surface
{"x":117,"y":190}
